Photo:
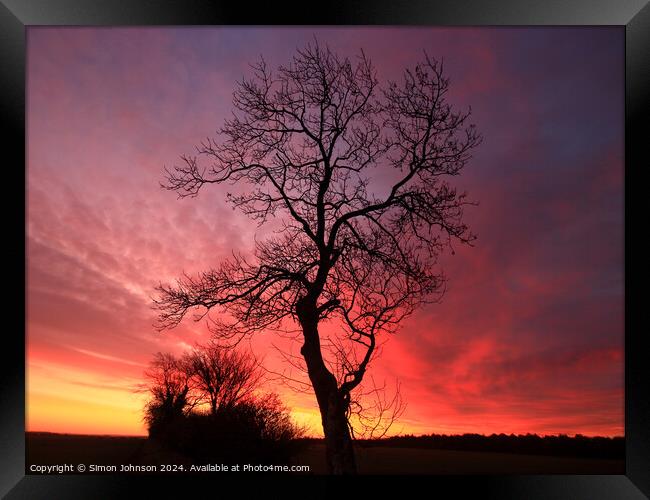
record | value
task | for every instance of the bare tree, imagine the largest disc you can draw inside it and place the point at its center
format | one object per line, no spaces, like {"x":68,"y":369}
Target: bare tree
{"x":224,"y":376}
{"x":207,"y":404}
{"x":357,"y":174}
{"x":168,"y":383}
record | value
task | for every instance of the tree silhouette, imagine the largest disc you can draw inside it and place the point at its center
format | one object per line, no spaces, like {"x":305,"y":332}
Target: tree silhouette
{"x":168,"y":383}
{"x":224,"y":377}
{"x":207,"y":404}
{"x":356,"y":173}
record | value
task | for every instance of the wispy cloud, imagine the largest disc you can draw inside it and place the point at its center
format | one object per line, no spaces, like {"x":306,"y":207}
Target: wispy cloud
{"x":107,"y":357}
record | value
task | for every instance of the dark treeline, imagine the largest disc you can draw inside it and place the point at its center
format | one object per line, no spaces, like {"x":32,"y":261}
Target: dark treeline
{"x":528,"y":444}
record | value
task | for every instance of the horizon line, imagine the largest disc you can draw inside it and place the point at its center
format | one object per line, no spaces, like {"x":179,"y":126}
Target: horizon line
{"x":146,"y":436}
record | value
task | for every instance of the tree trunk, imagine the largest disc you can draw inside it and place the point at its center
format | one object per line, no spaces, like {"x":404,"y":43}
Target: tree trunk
{"x":338,"y":442}
{"x":332,"y":404}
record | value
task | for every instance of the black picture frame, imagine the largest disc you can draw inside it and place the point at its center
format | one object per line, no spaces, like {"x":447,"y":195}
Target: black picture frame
{"x":16,"y":15}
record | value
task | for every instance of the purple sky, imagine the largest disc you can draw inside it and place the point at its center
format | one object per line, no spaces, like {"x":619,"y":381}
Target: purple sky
{"x":529,"y":337}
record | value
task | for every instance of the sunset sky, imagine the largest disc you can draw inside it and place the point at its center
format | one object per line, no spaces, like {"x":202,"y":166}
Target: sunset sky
{"x":529,"y":336}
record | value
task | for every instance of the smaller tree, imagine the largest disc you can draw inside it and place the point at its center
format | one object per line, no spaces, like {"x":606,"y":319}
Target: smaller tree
{"x":207,"y":405}
{"x":224,"y":377}
{"x":168,"y":382}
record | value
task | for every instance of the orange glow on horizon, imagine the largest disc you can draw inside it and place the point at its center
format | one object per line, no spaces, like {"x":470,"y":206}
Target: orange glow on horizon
{"x":74,"y":401}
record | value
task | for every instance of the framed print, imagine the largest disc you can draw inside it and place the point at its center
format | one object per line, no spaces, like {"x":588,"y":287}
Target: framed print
{"x":389,"y":242}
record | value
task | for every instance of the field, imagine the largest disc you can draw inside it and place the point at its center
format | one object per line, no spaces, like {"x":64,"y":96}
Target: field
{"x":52,"y":449}
{"x":392,"y":460}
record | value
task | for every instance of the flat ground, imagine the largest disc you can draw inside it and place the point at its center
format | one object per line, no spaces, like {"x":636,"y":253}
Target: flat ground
{"x":389,"y":460}
{"x":52,"y":449}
